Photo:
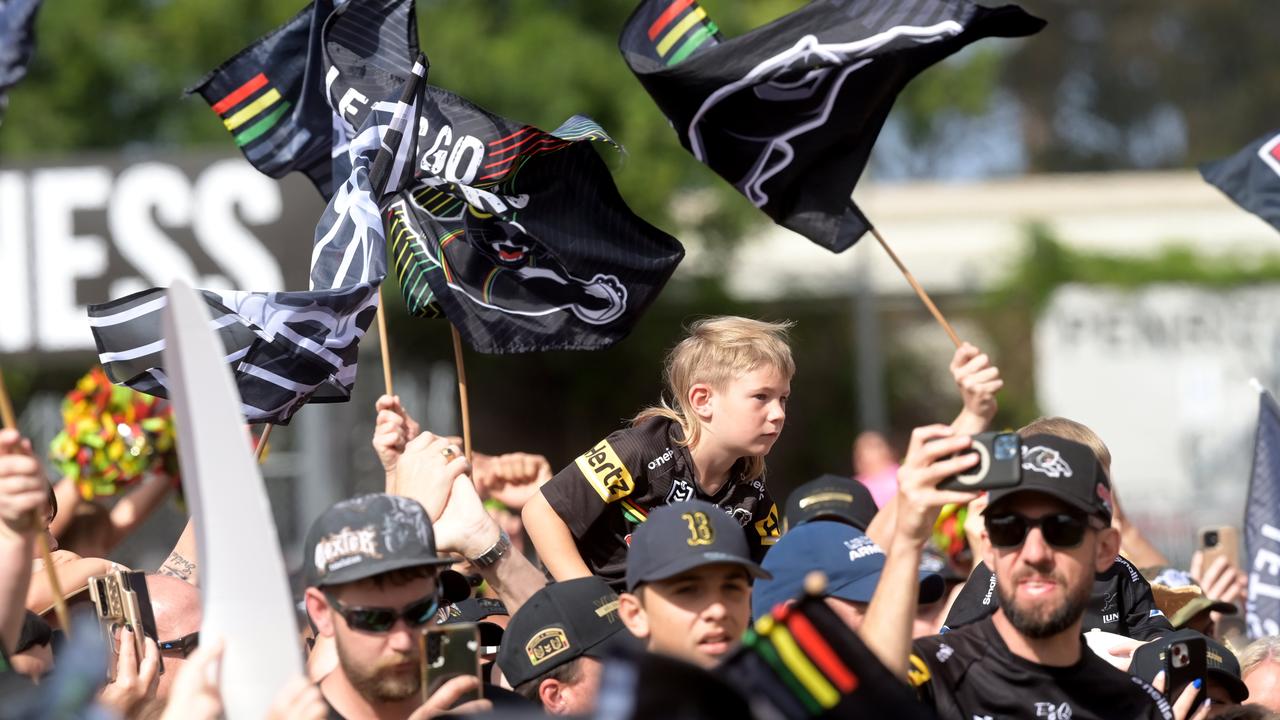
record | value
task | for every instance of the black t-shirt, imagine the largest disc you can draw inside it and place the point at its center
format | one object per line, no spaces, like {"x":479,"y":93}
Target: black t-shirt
{"x":970,"y":674}
{"x":609,"y":490}
{"x":1121,"y":603}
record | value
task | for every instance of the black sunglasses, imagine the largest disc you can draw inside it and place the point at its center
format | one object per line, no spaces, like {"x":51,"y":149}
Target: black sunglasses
{"x":382,"y":619}
{"x":184,"y":645}
{"x":1061,"y":530}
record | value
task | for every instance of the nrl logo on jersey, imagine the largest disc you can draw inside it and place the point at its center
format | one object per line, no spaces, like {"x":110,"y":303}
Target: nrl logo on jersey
{"x":681,"y":491}
{"x":1045,"y":461}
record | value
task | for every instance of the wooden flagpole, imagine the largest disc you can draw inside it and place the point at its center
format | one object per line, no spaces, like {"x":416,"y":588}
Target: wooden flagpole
{"x":386,"y":366}
{"x":462,"y":391}
{"x":924,"y":296}
{"x":261,"y":447}
{"x":382,"y":341}
{"x":42,"y":542}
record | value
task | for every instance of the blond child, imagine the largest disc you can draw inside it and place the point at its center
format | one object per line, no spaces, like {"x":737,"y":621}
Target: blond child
{"x":729,"y":381}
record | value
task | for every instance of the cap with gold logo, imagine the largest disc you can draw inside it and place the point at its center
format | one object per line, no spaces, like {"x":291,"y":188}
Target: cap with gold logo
{"x":561,"y":622}
{"x":685,"y":535}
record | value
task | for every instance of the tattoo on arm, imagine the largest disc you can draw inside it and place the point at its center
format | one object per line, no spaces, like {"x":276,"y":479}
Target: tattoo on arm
{"x":178,"y":566}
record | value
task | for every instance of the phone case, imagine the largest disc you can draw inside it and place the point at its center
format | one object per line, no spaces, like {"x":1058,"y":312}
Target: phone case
{"x":1227,"y":545}
{"x":447,"y":652}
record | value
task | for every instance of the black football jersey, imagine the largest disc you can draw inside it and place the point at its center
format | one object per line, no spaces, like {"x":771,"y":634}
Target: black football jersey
{"x":609,"y":490}
{"x":970,"y":674}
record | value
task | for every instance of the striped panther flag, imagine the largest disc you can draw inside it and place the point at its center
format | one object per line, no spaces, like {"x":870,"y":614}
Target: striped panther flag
{"x":289,"y":348}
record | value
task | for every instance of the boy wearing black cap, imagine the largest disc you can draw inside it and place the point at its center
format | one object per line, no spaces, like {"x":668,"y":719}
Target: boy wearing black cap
{"x":372,"y":577}
{"x":1045,"y":539}
{"x":688,"y":582}
{"x":552,"y":647}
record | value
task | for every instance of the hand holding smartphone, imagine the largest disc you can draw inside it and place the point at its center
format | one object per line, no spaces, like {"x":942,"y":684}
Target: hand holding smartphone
{"x":999,"y":464}
{"x":450,"y":651}
{"x":121,"y":598}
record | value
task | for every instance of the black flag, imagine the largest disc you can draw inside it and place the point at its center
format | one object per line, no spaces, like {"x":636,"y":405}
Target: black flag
{"x":270,"y":97}
{"x":519,"y":235}
{"x":1262,"y":523}
{"x":1251,"y":177}
{"x":17,"y":42}
{"x":788,"y":112}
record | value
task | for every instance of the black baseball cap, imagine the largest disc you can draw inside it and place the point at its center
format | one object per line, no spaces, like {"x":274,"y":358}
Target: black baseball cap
{"x":1224,"y":667}
{"x":831,"y":497}
{"x":475,"y":610}
{"x":369,"y":535}
{"x":683,"y":536}
{"x":1063,"y":469}
{"x":561,"y":622}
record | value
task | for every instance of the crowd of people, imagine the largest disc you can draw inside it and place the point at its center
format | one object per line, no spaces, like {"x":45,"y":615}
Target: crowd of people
{"x":624,"y":584}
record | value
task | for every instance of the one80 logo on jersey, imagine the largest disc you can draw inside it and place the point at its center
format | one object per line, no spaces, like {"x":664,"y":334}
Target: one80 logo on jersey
{"x":605,"y":472}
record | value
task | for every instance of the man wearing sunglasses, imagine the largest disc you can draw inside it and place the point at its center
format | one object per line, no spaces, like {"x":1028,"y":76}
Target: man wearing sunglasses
{"x":372,"y":576}
{"x":1045,"y":539}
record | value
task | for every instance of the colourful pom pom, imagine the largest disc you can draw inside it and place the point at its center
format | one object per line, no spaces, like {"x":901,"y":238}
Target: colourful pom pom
{"x":112,"y":436}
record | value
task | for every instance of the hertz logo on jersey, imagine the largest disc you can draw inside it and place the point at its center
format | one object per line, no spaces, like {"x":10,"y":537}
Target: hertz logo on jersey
{"x":605,"y":472}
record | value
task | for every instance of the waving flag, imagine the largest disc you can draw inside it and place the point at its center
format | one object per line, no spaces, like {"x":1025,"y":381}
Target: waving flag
{"x":519,"y":235}
{"x":289,"y":348}
{"x":788,"y":113}
{"x":1262,"y":523}
{"x":1251,"y":177}
{"x":270,"y":97}
{"x":17,"y":43}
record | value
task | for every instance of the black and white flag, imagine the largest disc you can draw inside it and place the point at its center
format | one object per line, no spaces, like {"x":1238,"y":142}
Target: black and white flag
{"x":289,"y":348}
{"x":788,"y":113}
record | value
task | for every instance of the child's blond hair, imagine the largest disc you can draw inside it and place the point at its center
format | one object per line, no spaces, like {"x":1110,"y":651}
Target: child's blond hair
{"x":717,"y":350}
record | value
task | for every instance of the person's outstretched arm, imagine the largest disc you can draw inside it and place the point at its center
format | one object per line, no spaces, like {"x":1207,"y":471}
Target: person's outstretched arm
{"x":461,"y":524}
{"x":886,"y":630}
{"x":978,"y":382}
{"x":24,"y":494}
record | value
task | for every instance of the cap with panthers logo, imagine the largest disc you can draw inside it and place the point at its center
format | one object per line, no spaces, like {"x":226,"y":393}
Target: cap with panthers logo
{"x":682,"y":536}
{"x":561,"y":622}
{"x":1063,"y":469}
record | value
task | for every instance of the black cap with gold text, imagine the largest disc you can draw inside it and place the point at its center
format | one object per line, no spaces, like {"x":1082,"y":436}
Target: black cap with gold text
{"x":561,"y":622}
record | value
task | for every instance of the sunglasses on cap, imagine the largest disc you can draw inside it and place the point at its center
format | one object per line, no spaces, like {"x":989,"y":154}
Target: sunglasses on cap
{"x":183,"y":646}
{"x":382,"y":619}
{"x":1061,"y":530}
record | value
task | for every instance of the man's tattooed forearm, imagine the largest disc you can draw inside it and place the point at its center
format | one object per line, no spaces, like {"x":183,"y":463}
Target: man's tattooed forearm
{"x":178,"y":567}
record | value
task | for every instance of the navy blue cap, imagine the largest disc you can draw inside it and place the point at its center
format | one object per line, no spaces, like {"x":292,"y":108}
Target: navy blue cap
{"x":683,"y":536}
{"x":831,"y":497}
{"x":851,"y":561}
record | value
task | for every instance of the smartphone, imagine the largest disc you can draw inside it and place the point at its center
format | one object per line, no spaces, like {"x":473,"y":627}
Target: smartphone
{"x":999,"y":463}
{"x":1182,"y":655}
{"x":1216,"y":542}
{"x":447,"y":652}
{"x":121,"y":598}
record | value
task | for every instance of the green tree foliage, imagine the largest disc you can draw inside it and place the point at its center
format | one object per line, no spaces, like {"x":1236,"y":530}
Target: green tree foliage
{"x":1113,"y":84}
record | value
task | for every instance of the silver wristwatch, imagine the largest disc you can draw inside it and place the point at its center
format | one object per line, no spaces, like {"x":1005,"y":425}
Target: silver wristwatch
{"x":490,"y":556}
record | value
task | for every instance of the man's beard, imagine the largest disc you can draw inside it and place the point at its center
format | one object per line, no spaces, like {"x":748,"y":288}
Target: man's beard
{"x":1040,"y":620}
{"x":379,"y":684}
